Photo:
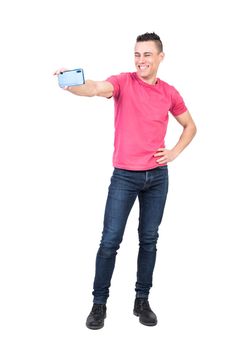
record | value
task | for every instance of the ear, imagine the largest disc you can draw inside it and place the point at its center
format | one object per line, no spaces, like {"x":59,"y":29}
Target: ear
{"x":161,"y":56}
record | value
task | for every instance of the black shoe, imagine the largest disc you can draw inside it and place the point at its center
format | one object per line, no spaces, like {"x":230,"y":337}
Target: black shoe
{"x":96,"y":317}
{"x":142,"y":309}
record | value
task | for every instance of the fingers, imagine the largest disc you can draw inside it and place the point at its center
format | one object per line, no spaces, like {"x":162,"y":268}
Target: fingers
{"x":162,"y":160}
{"x":60,"y":70}
{"x":162,"y":153}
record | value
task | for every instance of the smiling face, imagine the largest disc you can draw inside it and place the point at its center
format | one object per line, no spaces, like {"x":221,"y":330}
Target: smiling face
{"x":147,"y":60}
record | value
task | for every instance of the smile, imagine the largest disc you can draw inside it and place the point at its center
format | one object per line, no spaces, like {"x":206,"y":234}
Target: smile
{"x":143,"y":67}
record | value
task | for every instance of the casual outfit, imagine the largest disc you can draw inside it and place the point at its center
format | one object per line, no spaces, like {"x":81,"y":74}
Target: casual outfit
{"x":141,"y":118}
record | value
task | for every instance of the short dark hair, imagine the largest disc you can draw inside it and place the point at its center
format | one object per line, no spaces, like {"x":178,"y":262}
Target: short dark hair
{"x":151,"y":37}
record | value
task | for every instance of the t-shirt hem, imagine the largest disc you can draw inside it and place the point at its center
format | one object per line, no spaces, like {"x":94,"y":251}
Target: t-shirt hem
{"x":139,"y":168}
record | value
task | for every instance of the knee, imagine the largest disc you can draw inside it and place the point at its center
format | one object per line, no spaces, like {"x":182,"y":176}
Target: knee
{"x":148,"y":242}
{"x":107,"y":250}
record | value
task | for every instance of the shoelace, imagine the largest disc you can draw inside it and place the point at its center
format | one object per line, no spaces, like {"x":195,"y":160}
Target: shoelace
{"x":97,"y":309}
{"x":144,"y":304}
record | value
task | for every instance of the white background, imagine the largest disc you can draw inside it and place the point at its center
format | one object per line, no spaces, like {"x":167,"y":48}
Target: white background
{"x":55,"y":160}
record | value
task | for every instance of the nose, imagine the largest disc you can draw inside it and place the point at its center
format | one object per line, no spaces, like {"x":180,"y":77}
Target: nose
{"x":141,"y":60}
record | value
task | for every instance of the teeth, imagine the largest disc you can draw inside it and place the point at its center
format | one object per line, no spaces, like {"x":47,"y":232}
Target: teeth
{"x":143,"y":67}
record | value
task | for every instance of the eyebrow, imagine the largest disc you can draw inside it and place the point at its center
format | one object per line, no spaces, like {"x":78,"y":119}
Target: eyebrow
{"x":147,"y":52}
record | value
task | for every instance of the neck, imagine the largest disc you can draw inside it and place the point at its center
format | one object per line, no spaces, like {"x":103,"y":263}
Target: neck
{"x":149,"y":80}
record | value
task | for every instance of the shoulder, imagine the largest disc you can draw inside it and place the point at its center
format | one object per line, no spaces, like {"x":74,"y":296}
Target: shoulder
{"x":121,"y":77}
{"x":169,"y":90}
{"x":168,"y":87}
{"x":120,"y":82}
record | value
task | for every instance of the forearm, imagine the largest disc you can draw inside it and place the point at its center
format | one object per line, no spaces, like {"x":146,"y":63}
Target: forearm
{"x":93,"y":88}
{"x":186,"y":137}
{"x":88,"y":89}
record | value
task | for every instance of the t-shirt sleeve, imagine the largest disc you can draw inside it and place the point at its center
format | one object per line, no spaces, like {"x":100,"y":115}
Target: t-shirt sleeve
{"x":115,"y":82}
{"x":177,"y":104}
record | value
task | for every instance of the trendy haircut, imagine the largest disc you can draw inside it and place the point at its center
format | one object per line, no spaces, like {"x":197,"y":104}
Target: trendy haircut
{"x":151,"y":37}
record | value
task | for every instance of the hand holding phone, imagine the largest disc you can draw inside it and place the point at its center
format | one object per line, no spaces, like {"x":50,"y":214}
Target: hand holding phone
{"x":73,"y":77}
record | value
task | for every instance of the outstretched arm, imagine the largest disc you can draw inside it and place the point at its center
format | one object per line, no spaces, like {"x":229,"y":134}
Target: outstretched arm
{"x":90,"y":88}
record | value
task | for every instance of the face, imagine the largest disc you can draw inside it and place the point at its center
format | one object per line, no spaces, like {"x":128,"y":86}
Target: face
{"x":147,"y":60}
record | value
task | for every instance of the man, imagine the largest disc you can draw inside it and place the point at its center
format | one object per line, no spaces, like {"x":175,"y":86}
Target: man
{"x":142,"y":103}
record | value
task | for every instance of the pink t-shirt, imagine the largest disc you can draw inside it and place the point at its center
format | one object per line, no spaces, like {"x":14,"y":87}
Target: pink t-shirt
{"x":141,"y":118}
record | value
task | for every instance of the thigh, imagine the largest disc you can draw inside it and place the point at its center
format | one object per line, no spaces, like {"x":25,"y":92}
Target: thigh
{"x":122,"y":194}
{"x":152,"y":201}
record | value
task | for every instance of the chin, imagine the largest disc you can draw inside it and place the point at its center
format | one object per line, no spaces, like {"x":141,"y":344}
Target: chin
{"x":143,"y":74}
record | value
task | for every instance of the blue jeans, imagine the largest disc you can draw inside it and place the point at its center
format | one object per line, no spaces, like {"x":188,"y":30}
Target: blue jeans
{"x":151,"y":189}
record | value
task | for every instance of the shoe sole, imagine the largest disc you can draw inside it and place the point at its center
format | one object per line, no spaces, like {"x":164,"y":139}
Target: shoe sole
{"x":94,"y":328}
{"x":144,"y":323}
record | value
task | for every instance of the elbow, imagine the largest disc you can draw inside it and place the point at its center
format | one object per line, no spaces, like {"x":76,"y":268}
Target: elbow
{"x":194,"y":129}
{"x":191,"y":130}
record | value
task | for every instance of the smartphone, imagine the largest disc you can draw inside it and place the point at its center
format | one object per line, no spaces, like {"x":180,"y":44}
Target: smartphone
{"x":71,"y":77}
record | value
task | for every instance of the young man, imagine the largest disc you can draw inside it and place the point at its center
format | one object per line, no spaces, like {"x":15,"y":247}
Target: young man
{"x":142,"y":103}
